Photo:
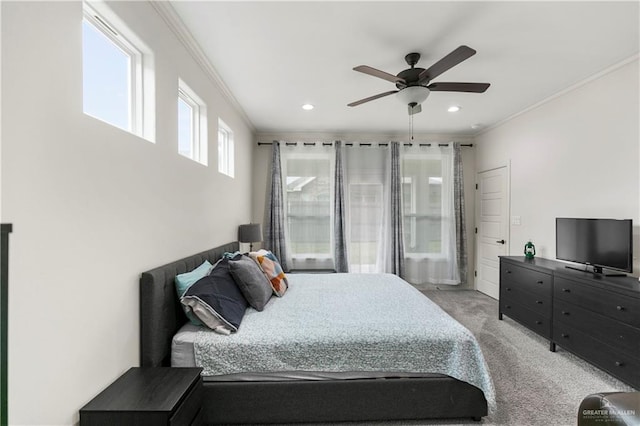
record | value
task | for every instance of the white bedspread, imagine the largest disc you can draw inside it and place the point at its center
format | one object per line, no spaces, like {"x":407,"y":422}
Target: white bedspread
{"x":347,"y":322}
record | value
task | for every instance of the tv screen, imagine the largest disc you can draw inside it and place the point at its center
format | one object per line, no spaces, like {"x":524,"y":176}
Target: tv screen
{"x":603,"y":243}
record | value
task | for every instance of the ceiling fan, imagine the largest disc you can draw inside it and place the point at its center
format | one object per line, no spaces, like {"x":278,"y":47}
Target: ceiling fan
{"x":414,"y":83}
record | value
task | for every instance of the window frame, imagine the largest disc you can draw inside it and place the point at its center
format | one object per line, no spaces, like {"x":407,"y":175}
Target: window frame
{"x":134,"y":74}
{"x":226,"y":150}
{"x":311,"y":260}
{"x":198,"y":122}
{"x":414,"y":215}
{"x":141,"y":74}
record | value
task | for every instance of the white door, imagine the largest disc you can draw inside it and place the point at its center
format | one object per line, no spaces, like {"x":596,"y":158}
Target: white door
{"x":492,"y":220}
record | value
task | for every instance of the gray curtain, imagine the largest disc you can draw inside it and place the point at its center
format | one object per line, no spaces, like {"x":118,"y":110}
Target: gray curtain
{"x":275,"y":226}
{"x":339,"y":215}
{"x":395,"y":195}
{"x":458,"y":206}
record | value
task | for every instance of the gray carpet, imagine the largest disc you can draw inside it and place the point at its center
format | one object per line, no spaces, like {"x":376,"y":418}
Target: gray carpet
{"x":533,"y":385}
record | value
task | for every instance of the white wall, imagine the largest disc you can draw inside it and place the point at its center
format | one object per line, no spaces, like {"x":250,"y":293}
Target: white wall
{"x":93,"y":206}
{"x":574,"y":156}
{"x":262,"y":170}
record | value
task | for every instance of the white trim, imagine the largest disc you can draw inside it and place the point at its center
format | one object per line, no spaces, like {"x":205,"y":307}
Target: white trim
{"x":226,"y":150}
{"x":175,"y":24}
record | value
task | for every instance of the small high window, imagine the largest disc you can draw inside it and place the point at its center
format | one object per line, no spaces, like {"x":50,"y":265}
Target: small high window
{"x":112,"y":72}
{"x":225,"y":149}
{"x":192,"y":124}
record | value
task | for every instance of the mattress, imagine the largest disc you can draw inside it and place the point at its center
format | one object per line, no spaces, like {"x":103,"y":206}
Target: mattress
{"x":339,"y":326}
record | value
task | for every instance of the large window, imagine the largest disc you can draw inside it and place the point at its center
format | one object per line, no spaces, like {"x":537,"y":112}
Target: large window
{"x":112,"y":74}
{"x":226,"y":155}
{"x":308,"y":205}
{"x":422,"y":205}
{"x":192,"y":124}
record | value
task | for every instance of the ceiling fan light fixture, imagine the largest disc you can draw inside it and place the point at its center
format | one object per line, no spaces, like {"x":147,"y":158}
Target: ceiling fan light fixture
{"x":413,"y":95}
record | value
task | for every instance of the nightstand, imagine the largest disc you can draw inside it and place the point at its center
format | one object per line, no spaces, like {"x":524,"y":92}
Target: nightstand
{"x":148,"y":396}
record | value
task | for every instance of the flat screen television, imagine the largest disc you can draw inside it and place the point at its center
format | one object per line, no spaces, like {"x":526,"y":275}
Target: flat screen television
{"x":601,"y":243}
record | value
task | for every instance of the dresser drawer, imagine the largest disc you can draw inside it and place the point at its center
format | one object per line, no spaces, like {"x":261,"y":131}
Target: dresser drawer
{"x":608,"y":303}
{"x":535,"y":282}
{"x":620,"y":336}
{"x":514,"y":293}
{"x":617,"y":363}
{"x":535,"y":321}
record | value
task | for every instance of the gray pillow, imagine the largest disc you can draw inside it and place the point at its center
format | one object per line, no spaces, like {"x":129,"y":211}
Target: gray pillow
{"x":252,"y":282}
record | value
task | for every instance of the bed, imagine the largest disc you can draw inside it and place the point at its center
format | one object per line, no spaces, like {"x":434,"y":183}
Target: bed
{"x":305,"y":385}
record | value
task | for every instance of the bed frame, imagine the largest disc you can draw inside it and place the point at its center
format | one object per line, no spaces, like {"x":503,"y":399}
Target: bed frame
{"x":436,"y":396}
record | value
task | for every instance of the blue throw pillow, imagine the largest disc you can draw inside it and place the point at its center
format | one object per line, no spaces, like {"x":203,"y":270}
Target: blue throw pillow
{"x":186,"y":280}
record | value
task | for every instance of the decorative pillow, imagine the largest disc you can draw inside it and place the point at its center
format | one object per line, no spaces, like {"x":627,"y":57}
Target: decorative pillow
{"x":216,"y":300}
{"x":253,"y":283}
{"x":186,"y":280}
{"x":271,"y":267}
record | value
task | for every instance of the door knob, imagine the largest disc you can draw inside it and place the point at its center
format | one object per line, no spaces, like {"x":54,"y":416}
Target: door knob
{"x":501,"y":241}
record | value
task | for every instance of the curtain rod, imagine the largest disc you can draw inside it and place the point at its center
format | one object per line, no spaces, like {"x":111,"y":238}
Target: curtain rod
{"x":361,"y":144}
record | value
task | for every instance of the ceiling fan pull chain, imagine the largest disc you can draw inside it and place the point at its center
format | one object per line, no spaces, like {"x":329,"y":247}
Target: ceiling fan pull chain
{"x":411,"y":124}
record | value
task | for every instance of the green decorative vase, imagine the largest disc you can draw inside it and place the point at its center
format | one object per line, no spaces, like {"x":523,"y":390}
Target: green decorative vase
{"x":529,"y":250}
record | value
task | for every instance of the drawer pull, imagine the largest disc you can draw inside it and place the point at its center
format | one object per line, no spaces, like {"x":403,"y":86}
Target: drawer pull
{"x":508,"y":306}
{"x":540,"y":282}
{"x":508,"y":288}
{"x":566,"y":313}
{"x":538,"y":322}
{"x":539,"y":302}
{"x":508,"y":271}
{"x":620,"y":308}
{"x":619,"y":364}
{"x":566,"y":336}
{"x":566,"y":290}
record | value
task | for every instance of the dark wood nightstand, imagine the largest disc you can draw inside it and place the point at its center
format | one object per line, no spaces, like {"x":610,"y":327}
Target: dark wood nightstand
{"x":148,"y":396}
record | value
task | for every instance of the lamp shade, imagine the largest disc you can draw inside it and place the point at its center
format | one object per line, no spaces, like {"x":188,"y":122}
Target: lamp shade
{"x":413,"y":95}
{"x":250,"y":233}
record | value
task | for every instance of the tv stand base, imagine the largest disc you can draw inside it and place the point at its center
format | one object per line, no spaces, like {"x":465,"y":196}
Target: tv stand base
{"x":598,"y":271}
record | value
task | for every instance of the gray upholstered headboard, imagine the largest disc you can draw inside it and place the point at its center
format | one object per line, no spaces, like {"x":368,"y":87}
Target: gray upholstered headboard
{"x":160,"y":312}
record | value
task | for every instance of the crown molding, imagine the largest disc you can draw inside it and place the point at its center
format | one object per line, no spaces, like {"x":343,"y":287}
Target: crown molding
{"x":175,"y":24}
{"x":563,"y":92}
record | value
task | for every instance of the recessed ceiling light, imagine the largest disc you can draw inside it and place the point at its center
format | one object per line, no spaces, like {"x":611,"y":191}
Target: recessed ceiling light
{"x":454,"y":108}
{"x":476,"y":126}
{"x":307,"y":107}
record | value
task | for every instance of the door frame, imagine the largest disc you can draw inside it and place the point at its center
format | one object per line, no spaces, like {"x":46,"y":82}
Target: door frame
{"x":507,"y":166}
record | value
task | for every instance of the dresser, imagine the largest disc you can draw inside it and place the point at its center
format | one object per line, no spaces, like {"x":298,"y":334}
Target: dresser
{"x":593,"y":316}
{"x":151,"y":396}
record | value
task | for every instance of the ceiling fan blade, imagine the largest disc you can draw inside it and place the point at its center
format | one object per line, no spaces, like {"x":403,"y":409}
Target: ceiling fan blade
{"x":449,"y":61}
{"x":459,"y":87}
{"x":371,"y":98}
{"x":380,"y":74}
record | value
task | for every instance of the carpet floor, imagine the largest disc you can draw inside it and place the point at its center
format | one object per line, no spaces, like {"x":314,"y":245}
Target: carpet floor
{"x":534,"y":386}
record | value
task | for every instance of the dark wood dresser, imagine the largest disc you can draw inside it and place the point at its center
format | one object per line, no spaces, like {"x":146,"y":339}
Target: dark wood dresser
{"x":593,"y":316}
{"x":154,"y":396}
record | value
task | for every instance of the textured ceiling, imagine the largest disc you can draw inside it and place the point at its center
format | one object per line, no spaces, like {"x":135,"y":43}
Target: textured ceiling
{"x":275,"y":56}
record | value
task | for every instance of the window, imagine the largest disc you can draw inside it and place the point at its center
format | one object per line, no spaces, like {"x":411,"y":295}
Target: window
{"x":225,"y":149}
{"x":422,"y":205}
{"x":192,"y":124}
{"x":366,"y":212}
{"x":112,"y":73}
{"x":308,"y":206}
